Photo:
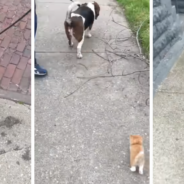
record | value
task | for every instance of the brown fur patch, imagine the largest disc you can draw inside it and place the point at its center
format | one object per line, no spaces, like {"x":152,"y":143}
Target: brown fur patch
{"x":69,"y":36}
{"x":97,"y":10}
{"x":78,"y":28}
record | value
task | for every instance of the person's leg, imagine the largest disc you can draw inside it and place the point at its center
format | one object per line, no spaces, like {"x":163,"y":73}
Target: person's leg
{"x":39,"y":71}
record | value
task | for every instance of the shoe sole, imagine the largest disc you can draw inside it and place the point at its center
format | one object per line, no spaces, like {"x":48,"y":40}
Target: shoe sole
{"x":40,"y":75}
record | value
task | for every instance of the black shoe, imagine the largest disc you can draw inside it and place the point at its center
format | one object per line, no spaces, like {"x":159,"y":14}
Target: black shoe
{"x":39,"y":71}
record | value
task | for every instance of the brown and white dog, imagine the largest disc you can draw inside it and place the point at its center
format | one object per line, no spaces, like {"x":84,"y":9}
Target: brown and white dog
{"x":80,"y":21}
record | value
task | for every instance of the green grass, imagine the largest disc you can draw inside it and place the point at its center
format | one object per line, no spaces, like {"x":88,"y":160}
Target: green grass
{"x":136,"y":12}
{"x":21,"y":103}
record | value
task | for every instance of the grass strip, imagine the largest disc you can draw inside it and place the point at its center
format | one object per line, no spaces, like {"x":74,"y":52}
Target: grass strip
{"x":137,"y":12}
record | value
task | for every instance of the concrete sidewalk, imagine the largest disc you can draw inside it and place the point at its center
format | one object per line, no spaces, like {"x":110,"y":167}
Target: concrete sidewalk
{"x":84,"y":137}
{"x":15,"y":143}
{"x":169,"y":127}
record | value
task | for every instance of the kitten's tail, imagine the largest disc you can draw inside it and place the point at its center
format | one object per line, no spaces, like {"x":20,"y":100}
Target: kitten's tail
{"x":70,"y":9}
{"x":139,"y":158}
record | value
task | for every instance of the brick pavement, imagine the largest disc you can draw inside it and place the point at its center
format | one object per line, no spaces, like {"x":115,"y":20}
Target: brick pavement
{"x":15,"y":47}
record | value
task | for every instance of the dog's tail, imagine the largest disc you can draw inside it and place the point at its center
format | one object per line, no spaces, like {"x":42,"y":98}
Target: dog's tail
{"x":70,"y":9}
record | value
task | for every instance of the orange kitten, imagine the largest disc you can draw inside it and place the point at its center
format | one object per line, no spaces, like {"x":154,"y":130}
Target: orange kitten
{"x":136,"y":153}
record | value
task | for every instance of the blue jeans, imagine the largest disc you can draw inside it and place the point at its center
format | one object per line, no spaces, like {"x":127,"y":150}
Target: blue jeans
{"x":35,"y":17}
{"x":35,"y":23}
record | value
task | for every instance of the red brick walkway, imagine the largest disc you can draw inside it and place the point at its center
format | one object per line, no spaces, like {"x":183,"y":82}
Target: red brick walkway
{"x":15,"y":47}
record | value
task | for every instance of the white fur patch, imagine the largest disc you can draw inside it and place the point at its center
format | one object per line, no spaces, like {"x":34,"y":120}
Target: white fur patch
{"x":141,"y":169}
{"x":71,"y":7}
{"x":92,"y":7}
{"x":133,"y":168}
{"x":88,"y":33}
{"x":79,"y":47}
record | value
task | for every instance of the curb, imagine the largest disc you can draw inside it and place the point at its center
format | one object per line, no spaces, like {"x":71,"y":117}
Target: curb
{"x":16,"y":97}
{"x":163,"y":69}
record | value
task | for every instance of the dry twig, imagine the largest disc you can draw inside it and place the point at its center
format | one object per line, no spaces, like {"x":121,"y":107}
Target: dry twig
{"x":119,"y":23}
{"x":102,"y":76}
{"x":83,"y":65}
{"x":99,"y":55}
{"x":77,"y":89}
{"x":109,"y":76}
{"x":147,"y":101}
{"x":171,"y":92}
{"x":137,"y":39}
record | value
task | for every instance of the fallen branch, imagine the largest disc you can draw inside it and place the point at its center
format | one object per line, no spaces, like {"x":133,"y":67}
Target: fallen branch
{"x":83,"y":65}
{"x":137,"y":38}
{"x":129,"y":55}
{"x":109,"y":76}
{"x":109,"y":68}
{"x":171,"y":92}
{"x":147,"y":101}
{"x":119,"y":23}
{"x":99,"y":55}
{"x":124,"y":39}
{"x":77,"y":89}
{"x":102,"y":76}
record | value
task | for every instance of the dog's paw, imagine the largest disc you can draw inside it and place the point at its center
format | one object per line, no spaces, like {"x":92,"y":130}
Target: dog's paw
{"x":89,"y":35}
{"x":133,"y":169}
{"x":141,"y":171}
{"x":79,"y":55}
{"x":71,"y":44}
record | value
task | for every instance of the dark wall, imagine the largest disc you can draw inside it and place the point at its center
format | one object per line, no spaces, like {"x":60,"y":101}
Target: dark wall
{"x":167,"y":33}
{"x":179,"y":4}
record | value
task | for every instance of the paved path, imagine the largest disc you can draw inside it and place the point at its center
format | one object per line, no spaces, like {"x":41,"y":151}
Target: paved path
{"x":84,"y":137}
{"x":169,"y":127}
{"x":15,"y":143}
{"x":15,"y":50}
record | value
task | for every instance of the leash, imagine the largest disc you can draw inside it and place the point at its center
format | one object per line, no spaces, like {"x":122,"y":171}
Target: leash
{"x":16,"y":21}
